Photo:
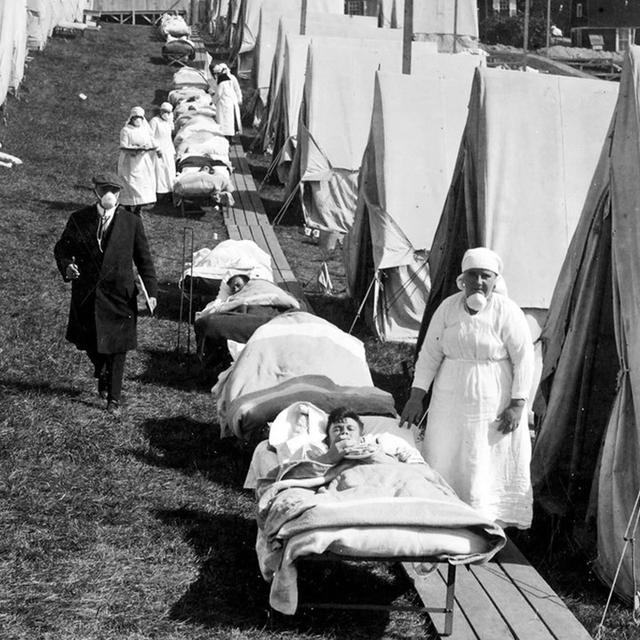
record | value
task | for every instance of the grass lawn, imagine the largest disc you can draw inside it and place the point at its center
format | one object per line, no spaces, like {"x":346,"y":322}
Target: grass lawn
{"x":139,"y":528}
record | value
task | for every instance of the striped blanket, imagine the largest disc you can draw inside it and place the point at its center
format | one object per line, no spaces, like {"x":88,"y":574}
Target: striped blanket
{"x":290,"y":346}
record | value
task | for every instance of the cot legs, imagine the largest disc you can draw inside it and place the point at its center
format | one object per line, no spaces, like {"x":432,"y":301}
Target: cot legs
{"x":451,"y":588}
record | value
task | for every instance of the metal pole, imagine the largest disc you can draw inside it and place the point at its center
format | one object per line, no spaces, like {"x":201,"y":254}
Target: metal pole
{"x":303,"y":18}
{"x":455,"y":26}
{"x":548,"y":25}
{"x":526,"y":33}
{"x":407,"y":37}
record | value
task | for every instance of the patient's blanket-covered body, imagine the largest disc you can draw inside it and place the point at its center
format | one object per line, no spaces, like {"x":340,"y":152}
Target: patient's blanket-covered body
{"x":238,"y":316}
{"x":292,"y":348}
{"x":377,"y":507}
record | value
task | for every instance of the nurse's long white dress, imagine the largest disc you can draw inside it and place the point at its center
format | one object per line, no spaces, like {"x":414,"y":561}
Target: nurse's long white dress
{"x":477,"y":363}
{"x":138,"y":170}
{"x":165,"y":164}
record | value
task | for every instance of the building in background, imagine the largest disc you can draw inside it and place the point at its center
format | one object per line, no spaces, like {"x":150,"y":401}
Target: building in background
{"x":490,"y":7}
{"x":611,"y":24}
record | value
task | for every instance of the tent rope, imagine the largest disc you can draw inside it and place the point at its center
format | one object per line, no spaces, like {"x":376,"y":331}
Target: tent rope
{"x":285,"y":206}
{"x":271,"y":168}
{"x":364,"y":300}
{"x":389,"y":303}
{"x":628,"y":539}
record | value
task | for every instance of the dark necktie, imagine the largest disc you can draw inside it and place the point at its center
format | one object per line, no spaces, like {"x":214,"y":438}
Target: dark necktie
{"x":101,"y":230}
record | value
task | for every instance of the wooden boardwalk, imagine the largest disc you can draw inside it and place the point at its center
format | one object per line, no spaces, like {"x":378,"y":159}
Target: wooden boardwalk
{"x":247,"y":220}
{"x":506,"y":599}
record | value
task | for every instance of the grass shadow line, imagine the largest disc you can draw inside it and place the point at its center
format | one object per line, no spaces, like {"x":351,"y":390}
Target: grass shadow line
{"x":21,"y":386}
{"x":193,"y":446}
{"x":231,"y":592}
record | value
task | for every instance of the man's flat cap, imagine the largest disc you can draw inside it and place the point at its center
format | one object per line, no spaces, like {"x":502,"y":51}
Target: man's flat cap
{"x":108,"y":179}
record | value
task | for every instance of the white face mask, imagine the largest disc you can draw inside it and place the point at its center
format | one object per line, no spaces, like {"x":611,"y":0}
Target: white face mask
{"x":476,"y":301}
{"x":165,"y":115}
{"x":109,"y":200}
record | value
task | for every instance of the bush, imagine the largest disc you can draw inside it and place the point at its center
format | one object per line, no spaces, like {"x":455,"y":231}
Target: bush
{"x":509,"y":30}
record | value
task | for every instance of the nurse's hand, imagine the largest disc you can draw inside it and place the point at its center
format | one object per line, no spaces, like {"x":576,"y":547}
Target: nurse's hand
{"x":509,"y":419}
{"x":413,"y":411}
{"x":153,"y":303}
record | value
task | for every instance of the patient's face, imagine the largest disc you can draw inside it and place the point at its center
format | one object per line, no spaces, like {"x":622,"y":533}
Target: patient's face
{"x":236,"y":283}
{"x":345,"y":430}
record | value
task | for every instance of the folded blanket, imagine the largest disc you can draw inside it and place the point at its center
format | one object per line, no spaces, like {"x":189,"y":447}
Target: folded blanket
{"x":307,"y":497}
{"x":250,"y":412}
{"x":294,"y":344}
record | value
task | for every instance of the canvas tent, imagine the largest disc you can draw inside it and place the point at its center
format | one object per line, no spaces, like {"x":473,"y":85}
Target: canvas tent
{"x":250,"y":17}
{"x":452,"y":25}
{"x":530,"y":147}
{"x":44,"y":15}
{"x":270,"y":44}
{"x":420,"y":118}
{"x":586,"y":459}
{"x":333,"y":124}
{"x":13,"y":44}
{"x":281,"y":129}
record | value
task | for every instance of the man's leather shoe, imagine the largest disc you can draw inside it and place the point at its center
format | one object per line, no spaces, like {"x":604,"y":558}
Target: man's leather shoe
{"x":113,"y":409}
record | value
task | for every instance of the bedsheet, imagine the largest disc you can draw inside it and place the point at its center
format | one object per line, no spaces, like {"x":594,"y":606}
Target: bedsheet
{"x":256,"y":292}
{"x":310,"y":507}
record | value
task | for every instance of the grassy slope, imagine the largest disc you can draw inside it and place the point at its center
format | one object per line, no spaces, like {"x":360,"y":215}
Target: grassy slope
{"x":133,"y":529}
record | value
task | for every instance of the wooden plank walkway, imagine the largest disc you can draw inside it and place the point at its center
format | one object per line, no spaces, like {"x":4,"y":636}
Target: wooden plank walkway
{"x":506,"y":599}
{"x":247,"y":220}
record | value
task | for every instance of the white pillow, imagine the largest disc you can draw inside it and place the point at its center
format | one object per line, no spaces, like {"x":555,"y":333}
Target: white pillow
{"x":376,"y":425}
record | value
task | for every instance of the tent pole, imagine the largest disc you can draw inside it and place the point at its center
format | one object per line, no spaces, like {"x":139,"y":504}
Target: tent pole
{"x":303,"y":18}
{"x":455,"y":26}
{"x":548,"y":25}
{"x":527,"y":6}
{"x":407,"y":37}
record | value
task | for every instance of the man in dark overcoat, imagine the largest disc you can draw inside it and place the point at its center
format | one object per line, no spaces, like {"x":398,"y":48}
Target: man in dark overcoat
{"x":96,"y":253}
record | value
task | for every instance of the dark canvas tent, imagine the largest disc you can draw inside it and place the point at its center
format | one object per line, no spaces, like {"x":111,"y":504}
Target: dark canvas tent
{"x":586,"y":460}
{"x":530,"y":147}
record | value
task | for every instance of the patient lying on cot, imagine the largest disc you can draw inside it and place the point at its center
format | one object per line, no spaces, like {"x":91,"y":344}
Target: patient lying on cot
{"x":243,"y":304}
{"x":345,"y":440}
{"x":331,"y":488}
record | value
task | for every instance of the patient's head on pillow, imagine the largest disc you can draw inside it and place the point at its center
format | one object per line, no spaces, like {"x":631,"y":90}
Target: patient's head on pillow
{"x":237,"y":282}
{"x":343,"y":424}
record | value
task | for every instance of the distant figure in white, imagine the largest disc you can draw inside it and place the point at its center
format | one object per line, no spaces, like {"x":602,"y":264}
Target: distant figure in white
{"x":224,"y":68}
{"x":165,"y":163}
{"x":136,"y":162}
{"x":226,"y":103}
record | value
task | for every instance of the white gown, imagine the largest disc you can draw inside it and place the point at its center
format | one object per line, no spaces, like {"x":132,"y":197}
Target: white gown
{"x":137,"y":169}
{"x":165,"y":165}
{"x":227,"y":109}
{"x":477,"y":363}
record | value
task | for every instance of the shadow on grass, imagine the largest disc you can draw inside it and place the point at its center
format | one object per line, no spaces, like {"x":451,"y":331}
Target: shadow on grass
{"x":230,"y":591}
{"x":20,"y":386}
{"x":175,"y":369}
{"x":159,"y":60}
{"x":188,"y":445}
